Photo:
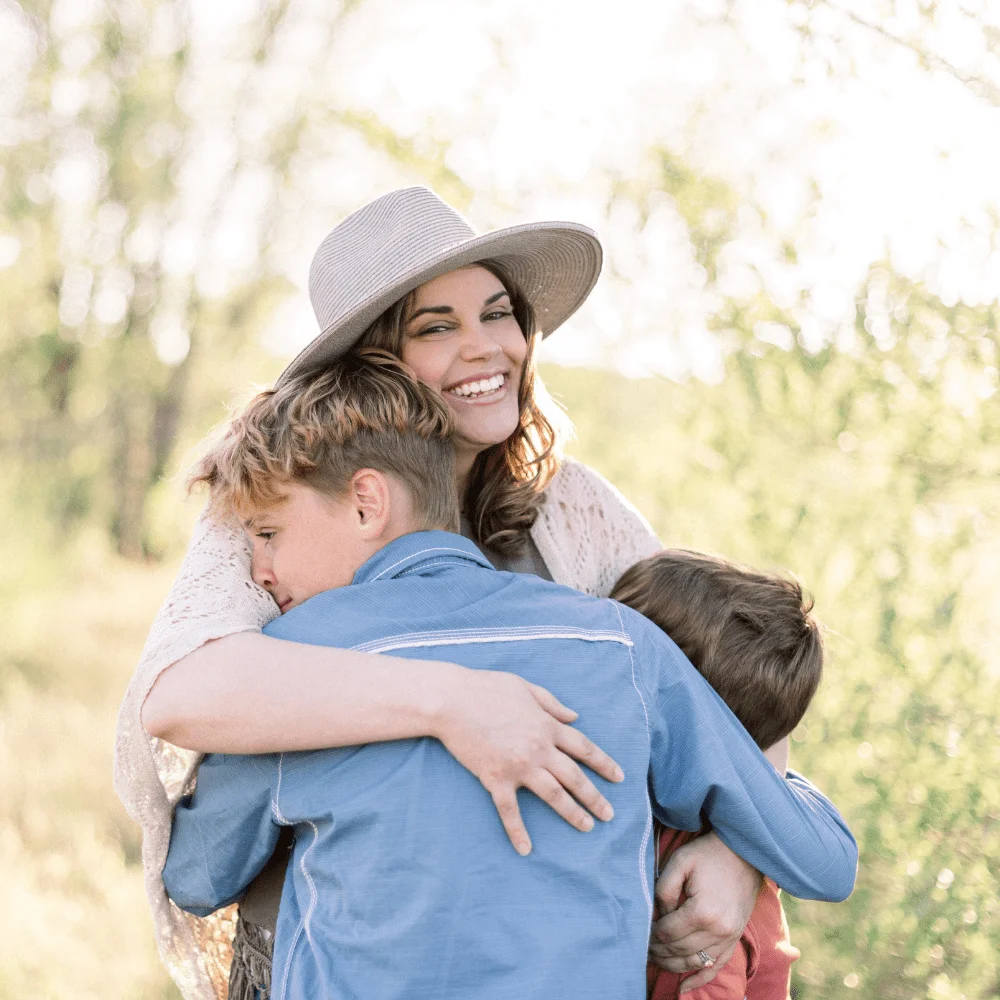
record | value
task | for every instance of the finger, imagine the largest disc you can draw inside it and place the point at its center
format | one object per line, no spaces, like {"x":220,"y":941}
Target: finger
{"x":685,"y":932}
{"x":569,"y":774}
{"x":552,"y":704}
{"x":668,"y":959}
{"x":571,"y":741}
{"x":548,"y":789}
{"x":699,"y":978}
{"x":672,"y":963}
{"x":691,"y":944}
{"x":703,"y":976}
{"x":669,"y":889}
{"x":505,"y":801}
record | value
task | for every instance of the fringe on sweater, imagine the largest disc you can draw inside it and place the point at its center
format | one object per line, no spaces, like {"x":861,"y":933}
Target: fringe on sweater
{"x":250,"y":973}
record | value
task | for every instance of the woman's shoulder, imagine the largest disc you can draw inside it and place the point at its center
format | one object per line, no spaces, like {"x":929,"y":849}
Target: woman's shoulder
{"x":576,"y":482}
{"x":583,"y":490}
{"x":587,"y":532}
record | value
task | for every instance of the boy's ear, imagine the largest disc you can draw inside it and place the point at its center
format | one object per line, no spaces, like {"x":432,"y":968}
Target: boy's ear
{"x":372,"y":501}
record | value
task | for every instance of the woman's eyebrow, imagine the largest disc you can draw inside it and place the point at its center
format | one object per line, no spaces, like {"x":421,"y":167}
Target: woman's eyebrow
{"x":429,"y":309}
{"x":448,"y":309}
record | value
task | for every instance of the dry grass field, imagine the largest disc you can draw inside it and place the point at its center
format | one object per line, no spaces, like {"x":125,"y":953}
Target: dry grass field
{"x":74,"y":922}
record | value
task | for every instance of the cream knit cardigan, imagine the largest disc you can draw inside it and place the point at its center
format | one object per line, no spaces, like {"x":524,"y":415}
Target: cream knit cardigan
{"x":586,"y":532}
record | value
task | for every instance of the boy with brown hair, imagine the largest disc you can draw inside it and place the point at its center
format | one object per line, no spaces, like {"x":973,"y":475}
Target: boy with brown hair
{"x":352,"y":541}
{"x":753,"y":638}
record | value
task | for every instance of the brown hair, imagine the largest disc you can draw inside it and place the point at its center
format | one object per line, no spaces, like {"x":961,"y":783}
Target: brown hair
{"x":749,"y":634}
{"x":507,"y":483}
{"x":367,"y":410}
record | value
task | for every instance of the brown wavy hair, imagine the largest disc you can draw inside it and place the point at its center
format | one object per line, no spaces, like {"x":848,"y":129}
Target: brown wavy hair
{"x":750,"y":634}
{"x":507,"y":482}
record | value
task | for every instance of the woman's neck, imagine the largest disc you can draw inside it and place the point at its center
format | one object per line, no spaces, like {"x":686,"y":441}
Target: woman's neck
{"x":464,"y":461}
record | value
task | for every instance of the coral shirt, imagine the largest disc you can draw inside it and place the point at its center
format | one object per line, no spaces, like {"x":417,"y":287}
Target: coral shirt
{"x":761,"y":966}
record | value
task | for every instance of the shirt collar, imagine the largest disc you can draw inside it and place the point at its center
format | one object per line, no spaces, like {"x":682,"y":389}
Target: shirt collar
{"x":408,"y":553}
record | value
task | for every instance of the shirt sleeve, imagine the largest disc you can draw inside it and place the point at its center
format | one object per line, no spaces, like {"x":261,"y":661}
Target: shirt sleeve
{"x":223,"y":834}
{"x":703,"y":762}
{"x":730,"y":983}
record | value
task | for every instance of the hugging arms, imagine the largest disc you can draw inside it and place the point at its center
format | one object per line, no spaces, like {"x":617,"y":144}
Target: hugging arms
{"x":209,"y":681}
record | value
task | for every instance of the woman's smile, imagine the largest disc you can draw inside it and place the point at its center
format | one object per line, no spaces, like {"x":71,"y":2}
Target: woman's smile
{"x":461,"y":338}
{"x":484,"y":389}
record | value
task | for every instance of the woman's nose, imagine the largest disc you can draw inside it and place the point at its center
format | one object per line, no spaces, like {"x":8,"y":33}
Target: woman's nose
{"x":478,"y":345}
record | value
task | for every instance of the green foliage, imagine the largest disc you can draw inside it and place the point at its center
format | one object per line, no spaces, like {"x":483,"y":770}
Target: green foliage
{"x":869,"y":469}
{"x":706,"y":204}
{"x":144,"y":179}
{"x":867,"y":474}
{"x":871,"y":474}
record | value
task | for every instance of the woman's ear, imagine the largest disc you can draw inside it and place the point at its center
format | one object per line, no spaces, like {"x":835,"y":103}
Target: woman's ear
{"x":372,"y":502}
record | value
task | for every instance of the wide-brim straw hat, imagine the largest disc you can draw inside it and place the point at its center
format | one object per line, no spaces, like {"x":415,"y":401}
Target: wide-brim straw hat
{"x":389,"y":247}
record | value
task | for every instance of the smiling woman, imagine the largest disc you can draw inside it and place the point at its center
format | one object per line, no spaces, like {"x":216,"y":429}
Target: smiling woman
{"x":460,"y":336}
{"x":470,"y":335}
{"x":409,"y":275}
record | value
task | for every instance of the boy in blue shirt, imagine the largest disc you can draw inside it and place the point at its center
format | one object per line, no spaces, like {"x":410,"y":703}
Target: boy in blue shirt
{"x":346,"y":481}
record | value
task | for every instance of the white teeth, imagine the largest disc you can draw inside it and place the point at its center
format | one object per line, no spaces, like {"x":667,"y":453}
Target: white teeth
{"x":479,"y":387}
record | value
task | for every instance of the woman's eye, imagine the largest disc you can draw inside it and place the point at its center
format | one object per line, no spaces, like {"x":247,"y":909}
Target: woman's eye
{"x":498,"y":314}
{"x":266,"y":535}
{"x":436,"y":328}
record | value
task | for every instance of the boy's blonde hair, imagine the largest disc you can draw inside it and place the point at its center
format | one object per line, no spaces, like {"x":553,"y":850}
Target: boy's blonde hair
{"x":750,"y":634}
{"x":366,"y":411}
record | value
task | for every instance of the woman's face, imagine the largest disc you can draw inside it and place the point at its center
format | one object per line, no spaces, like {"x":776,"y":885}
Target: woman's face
{"x":460,"y":337}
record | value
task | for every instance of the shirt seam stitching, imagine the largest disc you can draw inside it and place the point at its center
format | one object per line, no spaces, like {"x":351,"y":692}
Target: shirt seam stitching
{"x":414,"y":555}
{"x":457,"y":637}
{"x":313,"y":896}
{"x":644,"y":846}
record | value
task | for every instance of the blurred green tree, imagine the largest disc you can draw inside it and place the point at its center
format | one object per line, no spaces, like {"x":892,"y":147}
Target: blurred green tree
{"x":150,"y":167}
{"x":917,"y":28}
{"x":152,"y":177}
{"x":868,"y":466}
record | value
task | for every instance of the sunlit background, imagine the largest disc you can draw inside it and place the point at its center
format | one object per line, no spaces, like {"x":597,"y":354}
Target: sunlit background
{"x":791,"y":358}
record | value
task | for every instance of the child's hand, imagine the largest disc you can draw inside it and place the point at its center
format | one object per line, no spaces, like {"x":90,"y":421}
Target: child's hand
{"x":721,"y":890}
{"x":511,"y":734}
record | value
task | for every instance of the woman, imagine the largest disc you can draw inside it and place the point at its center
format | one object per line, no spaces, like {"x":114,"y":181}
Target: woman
{"x":407,"y":273}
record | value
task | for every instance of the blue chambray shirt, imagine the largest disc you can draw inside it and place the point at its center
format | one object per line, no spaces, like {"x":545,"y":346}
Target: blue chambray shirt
{"x":403,"y":885}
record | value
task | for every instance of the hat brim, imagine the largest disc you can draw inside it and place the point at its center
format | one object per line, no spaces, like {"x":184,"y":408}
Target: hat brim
{"x":556,"y":265}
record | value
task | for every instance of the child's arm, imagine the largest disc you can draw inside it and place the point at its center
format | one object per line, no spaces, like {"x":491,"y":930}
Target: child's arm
{"x":222,"y":835}
{"x":209,"y":681}
{"x":704,"y":762}
{"x":730,"y":978}
{"x":730,"y":982}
